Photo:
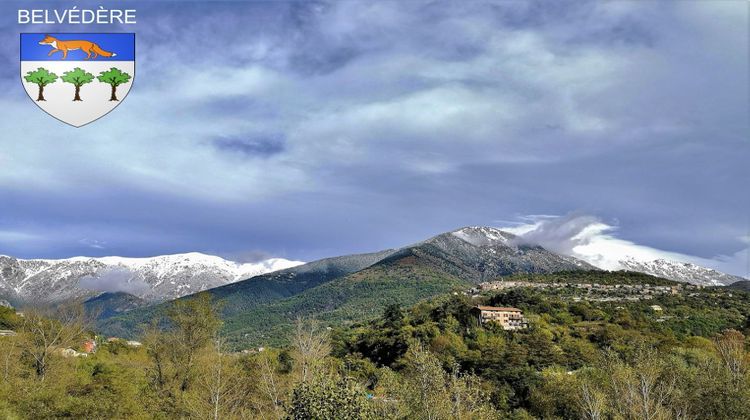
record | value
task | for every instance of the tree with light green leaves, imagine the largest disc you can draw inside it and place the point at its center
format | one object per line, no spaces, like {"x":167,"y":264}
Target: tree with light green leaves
{"x":41,"y":77}
{"x":113,"y":77}
{"x":77,"y":77}
{"x":330,"y":396}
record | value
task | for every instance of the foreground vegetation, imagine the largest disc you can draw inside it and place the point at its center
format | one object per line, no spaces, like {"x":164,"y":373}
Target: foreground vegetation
{"x":578,"y":359}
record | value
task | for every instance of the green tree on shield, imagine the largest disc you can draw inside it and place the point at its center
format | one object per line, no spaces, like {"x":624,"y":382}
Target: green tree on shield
{"x":41,"y":77}
{"x":77,"y":77}
{"x":113,"y":77}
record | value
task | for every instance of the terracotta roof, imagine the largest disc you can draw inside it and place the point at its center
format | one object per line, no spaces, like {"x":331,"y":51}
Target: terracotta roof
{"x":498,"y":308}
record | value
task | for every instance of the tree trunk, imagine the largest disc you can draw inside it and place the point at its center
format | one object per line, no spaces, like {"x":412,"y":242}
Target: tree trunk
{"x":41,"y":93}
{"x":114,"y":91}
{"x":41,"y":368}
{"x":78,"y":94}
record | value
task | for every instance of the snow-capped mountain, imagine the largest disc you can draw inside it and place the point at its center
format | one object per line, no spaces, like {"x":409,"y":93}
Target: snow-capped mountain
{"x":483,"y":253}
{"x":680,"y":271}
{"x":669,"y":269}
{"x":482,"y":235}
{"x":153,"y":279}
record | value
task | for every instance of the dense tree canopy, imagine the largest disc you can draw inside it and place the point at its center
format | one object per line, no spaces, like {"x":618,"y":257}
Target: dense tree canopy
{"x":578,"y":359}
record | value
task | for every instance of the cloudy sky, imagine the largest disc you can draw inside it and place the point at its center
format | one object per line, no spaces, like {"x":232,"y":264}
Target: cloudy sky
{"x":312,"y":129}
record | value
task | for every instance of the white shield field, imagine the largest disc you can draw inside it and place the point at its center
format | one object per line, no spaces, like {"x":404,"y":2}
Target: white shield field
{"x":95,"y":96}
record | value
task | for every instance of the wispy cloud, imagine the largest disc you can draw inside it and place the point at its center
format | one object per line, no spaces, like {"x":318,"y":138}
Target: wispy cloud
{"x":114,"y":280}
{"x":93,"y":243}
{"x":251,"y":146}
{"x":17,"y":236}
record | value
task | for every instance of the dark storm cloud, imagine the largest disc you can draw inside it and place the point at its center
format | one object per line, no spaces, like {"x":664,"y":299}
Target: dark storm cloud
{"x":250,"y":146}
{"x":309,"y":129}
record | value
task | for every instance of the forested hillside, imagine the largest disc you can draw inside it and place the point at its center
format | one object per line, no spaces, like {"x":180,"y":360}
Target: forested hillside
{"x":664,"y":352}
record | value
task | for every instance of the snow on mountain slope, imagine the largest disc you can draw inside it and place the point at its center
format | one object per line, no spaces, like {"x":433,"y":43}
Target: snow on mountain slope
{"x":679,"y":271}
{"x":483,"y":253}
{"x":166,"y":265}
{"x":482,"y":235}
{"x":154,"y":279}
{"x":609,"y":258}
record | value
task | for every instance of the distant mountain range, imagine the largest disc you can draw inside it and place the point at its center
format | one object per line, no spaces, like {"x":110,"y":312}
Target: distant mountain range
{"x":680,"y":271}
{"x":152,"y":279}
{"x":354,"y":287}
{"x":259,"y":300}
{"x":483,"y":252}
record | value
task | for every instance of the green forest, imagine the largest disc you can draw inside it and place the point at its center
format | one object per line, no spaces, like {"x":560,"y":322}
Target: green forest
{"x":672,"y":356}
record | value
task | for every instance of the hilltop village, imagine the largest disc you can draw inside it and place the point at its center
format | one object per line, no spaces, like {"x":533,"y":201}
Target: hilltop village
{"x":593,"y":291}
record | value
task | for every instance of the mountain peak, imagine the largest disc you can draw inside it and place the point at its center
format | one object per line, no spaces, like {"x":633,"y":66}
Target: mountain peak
{"x":483,"y":235}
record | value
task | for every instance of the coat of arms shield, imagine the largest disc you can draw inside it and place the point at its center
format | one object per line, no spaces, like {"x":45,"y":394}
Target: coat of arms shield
{"x":77,"y":77}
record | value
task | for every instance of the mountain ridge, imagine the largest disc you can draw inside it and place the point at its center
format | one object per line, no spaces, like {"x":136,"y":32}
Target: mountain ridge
{"x":680,"y":271}
{"x":445,"y":262}
{"x":154,"y":279}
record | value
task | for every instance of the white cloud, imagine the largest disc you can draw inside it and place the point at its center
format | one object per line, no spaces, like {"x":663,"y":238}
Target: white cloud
{"x":17,"y":236}
{"x":114,"y":280}
{"x":403,"y":94}
{"x":589,"y":238}
{"x":624,"y":103}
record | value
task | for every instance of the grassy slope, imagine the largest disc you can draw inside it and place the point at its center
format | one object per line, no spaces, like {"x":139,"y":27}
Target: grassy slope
{"x":112,"y":304}
{"x":359,"y":296}
{"x":233,"y":299}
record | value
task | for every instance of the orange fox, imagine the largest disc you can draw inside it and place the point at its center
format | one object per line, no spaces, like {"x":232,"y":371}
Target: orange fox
{"x":92,"y":50}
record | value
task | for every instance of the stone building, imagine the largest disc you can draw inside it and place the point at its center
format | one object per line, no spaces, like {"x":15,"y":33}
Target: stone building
{"x":508,"y":318}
